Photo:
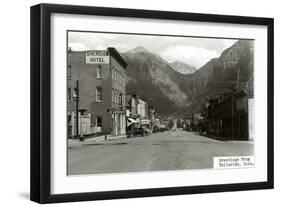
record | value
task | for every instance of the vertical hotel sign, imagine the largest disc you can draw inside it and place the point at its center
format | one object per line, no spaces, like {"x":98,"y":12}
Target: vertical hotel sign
{"x":97,"y":57}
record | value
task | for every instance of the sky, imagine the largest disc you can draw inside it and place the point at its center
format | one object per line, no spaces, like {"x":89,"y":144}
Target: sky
{"x":191,"y":50}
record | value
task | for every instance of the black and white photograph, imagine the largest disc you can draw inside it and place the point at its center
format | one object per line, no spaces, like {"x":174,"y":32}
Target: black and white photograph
{"x":156,"y":102}
{"x":132,"y":103}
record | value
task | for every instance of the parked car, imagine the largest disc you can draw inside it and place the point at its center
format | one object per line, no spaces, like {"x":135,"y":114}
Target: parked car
{"x":163,"y":128}
{"x":140,"y":130}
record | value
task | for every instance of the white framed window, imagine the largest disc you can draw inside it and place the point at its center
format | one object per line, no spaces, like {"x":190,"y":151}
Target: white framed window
{"x":99,"y":72}
{"x":98,"y":94}
{"x":116,"y":96}
{"x":74,"y":95}
{"x":112,"y":74}
{"x":69,"y":71}
{"x":68,"y":94}
{"x":113,"y":95}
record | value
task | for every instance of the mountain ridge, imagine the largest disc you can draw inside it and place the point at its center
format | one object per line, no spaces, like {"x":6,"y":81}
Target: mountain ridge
{"x":172,"y":92}
{"x":232,"y":70}
{"x":155,"y":81}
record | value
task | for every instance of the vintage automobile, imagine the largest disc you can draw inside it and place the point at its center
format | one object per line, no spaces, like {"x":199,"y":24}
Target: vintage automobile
{"x":141,"y":128}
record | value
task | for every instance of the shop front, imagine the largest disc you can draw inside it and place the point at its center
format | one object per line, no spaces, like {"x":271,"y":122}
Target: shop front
{"x":118,"y":123}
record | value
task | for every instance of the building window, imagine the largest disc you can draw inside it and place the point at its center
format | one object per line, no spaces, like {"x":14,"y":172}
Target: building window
{"x":113,"y":95}
{"x":113,"y":74}
{"x":98,"y":94}
{"x":99,"y":121}
{"x":68,"y":94}
{"x":74,"y":93}
{"x":69,"y":71}
{"x":99,"y":72}
{"x":116,"y":96}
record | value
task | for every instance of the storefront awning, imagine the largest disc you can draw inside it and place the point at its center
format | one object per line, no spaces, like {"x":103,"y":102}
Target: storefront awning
{"x":131,"y":121}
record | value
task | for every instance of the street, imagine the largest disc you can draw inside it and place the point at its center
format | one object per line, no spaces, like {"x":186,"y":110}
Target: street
{"x":170,"y":150}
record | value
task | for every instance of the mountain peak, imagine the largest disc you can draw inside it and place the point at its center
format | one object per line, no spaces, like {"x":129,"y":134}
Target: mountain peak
{"x":182,"y":67}
{"x":138,"y":49}
{"x":177,"y":62}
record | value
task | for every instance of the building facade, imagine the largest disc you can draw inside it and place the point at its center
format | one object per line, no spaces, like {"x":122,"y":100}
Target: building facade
{"x":139,"y":113}
{"x":142,"y":109}
{"x":131,"y":106}
{"x":97,"y":85}
{"x":138,"y":108}
{"x":231,"y":115}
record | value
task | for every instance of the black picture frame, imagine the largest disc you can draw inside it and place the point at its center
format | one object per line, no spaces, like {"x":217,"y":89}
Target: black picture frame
{"x":40,"y":176}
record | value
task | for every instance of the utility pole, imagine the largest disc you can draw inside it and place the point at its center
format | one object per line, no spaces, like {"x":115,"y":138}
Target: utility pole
{"x":232,"y":114}
{"x":77,"y":109}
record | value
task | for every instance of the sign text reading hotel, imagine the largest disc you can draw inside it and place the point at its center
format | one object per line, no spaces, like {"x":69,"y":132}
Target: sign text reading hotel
{"x":97,"y":57}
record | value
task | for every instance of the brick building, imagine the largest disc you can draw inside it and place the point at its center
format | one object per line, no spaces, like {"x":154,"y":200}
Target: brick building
{"x":101,"y":79}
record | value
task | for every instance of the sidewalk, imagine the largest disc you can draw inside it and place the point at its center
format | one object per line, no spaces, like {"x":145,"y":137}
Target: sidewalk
{"x":99,"y":139}
{"x":224,"y":139}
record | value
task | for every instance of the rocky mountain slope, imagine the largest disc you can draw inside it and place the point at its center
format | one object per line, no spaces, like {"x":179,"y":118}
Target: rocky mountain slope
{"x":154,"y":80}
{"x":233,"y":70}
{"x":182,"y":67}
{"x":171,"y":92}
